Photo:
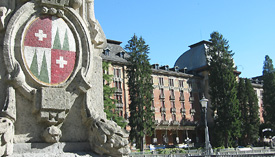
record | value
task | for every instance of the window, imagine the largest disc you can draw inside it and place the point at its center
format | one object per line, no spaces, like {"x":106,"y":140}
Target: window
{"x":162,"y":92}
{"x":180,"y":83}
{"x":106,"y":52}
{"x":163,"y":117}
{"x":120,"y":113}
{"x":162,"y":104}
{"x":174,"y":118}
{"x":181,"y":93}
{"x":171,"y":82}
{"x":118,"y":98}
{"x":117,"y":84}
{"x":161,"y":81}
{"x":172,"y":93}
{"x":173,"y":104}
{"x":117,"y":73}
{"x":182,"y":105}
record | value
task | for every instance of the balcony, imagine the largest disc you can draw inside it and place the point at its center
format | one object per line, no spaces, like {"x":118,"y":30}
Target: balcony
{"x":193,"y":111}
{"x":162,"y":109}
{"x":119,"y":105}
{"x":172,"y":97}
{"x":173,"y":110}
{"x":175,"y":123}
{"x":164,"y":122}
{"x":161,"y":96}
{"x":181,"y":98}
{"x":182,"y":110}
{"x":118,"y":90}
{"x":191,"y":99}
{"x":155,"y":122}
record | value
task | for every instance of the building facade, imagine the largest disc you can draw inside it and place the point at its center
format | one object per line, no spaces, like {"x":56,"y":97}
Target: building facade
{"x":176,"y":95}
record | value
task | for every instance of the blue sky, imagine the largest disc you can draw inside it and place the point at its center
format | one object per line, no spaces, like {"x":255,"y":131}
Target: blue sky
{"x":169,"y":27}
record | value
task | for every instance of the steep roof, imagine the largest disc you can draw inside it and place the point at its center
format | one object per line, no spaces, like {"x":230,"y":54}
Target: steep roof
{"x":194,"y":58}
{"x":115,"y":51}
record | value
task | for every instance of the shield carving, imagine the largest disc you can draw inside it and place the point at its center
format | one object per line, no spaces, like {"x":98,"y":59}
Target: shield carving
{"x":49,"y":50}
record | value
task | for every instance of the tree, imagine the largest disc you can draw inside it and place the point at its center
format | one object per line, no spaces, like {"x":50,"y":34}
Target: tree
{"x":249,"y":112}
{"x":269,"y":92}
{"x":109,"y":103}
{"x":140,"y":90}
{"x":223,"y":91}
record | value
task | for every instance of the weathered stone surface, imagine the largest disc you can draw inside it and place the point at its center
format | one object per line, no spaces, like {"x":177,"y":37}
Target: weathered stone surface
{"x":52,"y":134}
{"x":6,"y":136}
{"x":52,"y":78}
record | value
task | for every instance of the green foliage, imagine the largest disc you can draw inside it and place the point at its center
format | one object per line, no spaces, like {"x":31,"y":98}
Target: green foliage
{"x":249,"y":112}
{"x":269,"y":92}
{"x":171,"y":151}
{"x":140,"y":90}
{"x":223,"y":91}
{"x":109,"y":103}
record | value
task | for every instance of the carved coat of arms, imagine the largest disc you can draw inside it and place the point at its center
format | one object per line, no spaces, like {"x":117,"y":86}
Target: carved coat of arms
{"x":49,"y":50}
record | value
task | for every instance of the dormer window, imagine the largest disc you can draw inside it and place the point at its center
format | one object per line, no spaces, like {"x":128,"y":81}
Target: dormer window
{"x":106,"y":52}
{"x":176,"y":69}
{"x":121,"y":54}
{"x":167,"y":67}
{"x":156,"y":66}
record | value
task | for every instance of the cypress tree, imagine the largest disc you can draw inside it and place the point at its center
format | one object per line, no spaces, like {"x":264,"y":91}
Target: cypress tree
{"x":249,"y":112}
{"x":253,"y":113}
{"x":223,"y":91}
{"x":243,"y":99}
{"x":109,"y":103}
{"x":269,"y":92}
{"x":140,"y":90}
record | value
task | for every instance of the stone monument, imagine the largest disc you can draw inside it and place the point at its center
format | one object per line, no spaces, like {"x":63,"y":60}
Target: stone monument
{"x":51,"y":80}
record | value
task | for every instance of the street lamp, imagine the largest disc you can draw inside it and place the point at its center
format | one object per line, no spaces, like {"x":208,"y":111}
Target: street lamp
{"x":188,"y":140}
{"x":208,"y":147}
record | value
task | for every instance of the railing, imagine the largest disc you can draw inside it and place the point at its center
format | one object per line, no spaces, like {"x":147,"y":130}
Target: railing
{"x":118,"y":90}
{"x":180,"y":152}
{"x":172,"y":97}
{"x":182,"y":110}
{"x":191,"y":98}
{"x":175,"y":122}
{"x":173,"y":110}
{"x":164,"y":122}
{"x":162,"y":109}
{"x":161,"y":96}
{"x":181,"y":98}
{"x":119,"y":105}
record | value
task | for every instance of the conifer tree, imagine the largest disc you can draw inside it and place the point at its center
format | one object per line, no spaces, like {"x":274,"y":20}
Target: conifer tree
{"x":140,"y":89}
{"x":223,"y":91}
{"x":109,"y":103}
{"x":269,"y":92}
{"x":253,"y":113}
{"x":249,"y":108}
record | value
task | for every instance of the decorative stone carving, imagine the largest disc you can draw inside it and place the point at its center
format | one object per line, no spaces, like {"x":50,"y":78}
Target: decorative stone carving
{"x":52,"y":134}
{"x":6,"y":7}
{"x":6,"y":136}
{"x":97,"y":34}
{"x":106,"y":138}
{"x":54,"y":78}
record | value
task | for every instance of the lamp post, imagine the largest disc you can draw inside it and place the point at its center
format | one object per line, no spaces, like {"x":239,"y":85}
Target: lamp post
{"x":208,"y":148}
{"x":188,"y":140}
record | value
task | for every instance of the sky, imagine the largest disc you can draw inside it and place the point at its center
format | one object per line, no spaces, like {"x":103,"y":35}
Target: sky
{"x":169,"y":27}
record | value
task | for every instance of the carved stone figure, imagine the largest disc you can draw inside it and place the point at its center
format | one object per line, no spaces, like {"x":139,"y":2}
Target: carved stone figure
{"x":109,"y":137}
{"x":53,"y":78}
{"x":6,"y":135}
{"x":6,"y":7}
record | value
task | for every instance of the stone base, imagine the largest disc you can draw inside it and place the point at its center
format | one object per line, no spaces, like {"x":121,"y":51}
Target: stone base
{"x":68,"y":149}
